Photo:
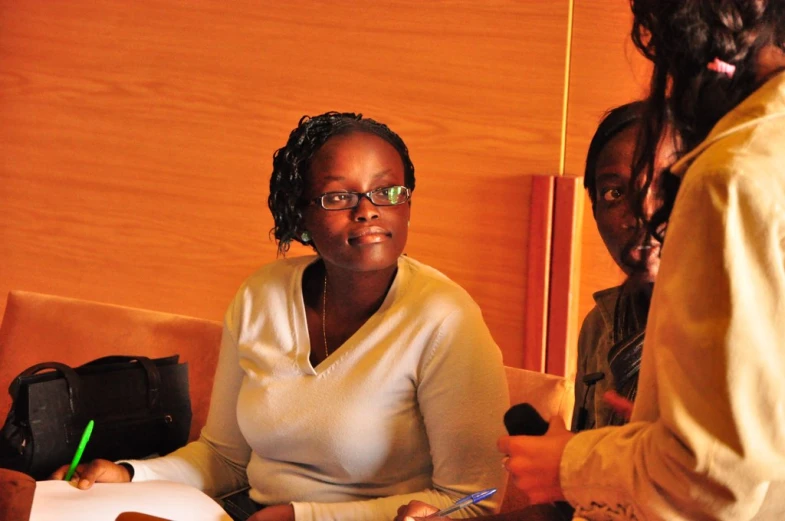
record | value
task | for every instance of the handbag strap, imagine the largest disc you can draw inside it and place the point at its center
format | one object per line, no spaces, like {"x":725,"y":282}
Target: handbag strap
{"x":71,"y":379}
{"x":150,"y":369}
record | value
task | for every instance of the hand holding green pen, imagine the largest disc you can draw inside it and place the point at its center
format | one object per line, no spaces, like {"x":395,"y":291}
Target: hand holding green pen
{"x":79,"y":450}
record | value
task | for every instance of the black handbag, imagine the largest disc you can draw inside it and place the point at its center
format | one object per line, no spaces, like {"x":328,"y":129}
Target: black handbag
{"x":141,"y":407}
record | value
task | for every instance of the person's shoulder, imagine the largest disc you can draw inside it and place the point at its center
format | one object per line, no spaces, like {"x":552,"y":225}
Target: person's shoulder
{"x":742,"y":168}
{"x":606,"y":297}
{"x":268,"y":288}
{"x":749,"y":157}
{"x":275,"y":277}
{"x":432,"y":289}
{"x":600,"y":318}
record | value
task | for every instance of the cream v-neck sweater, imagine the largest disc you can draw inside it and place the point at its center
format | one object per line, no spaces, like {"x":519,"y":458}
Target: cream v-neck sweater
{"x":410,"y":407}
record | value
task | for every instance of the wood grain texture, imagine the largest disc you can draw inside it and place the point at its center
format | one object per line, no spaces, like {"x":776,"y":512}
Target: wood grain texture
{"x":606,"y":71}
{"x":136,"y":137}
{"x":539,"y":273}
{"x":562,"y":337}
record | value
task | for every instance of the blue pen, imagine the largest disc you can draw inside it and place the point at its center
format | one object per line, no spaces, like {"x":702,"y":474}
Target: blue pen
{"x":465,"y":502}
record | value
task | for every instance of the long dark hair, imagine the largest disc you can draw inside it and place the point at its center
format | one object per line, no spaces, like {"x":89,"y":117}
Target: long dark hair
{"x":632,"y":302}
{"x":680,"y":37}
{"x":292,"y":162}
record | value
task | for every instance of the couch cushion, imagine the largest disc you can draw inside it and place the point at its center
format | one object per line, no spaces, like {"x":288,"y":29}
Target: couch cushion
{"x":38,"y":328}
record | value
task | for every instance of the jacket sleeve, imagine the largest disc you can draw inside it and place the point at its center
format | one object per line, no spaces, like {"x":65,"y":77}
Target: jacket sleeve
{"x":705,"y":440}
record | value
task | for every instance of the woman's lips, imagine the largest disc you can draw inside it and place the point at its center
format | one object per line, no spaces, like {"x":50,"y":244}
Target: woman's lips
{"x":372,"y":235}
{"x":644,"y":251}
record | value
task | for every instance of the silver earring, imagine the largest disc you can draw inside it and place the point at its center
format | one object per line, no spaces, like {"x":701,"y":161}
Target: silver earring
{"x":305,"y":236}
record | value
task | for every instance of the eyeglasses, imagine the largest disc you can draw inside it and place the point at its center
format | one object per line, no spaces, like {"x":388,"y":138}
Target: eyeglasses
{"x":387,"y":196}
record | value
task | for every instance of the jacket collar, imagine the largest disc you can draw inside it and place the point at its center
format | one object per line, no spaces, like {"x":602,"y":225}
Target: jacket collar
{"x":606,"y":303}
{"x":766,"y":103}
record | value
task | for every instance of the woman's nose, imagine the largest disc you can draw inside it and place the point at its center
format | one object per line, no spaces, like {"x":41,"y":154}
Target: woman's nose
{"x":365,"y":210}
{"x":628,"y":218}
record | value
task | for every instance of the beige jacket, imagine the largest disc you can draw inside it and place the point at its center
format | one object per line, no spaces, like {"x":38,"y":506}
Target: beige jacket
{"x":707,"y":437}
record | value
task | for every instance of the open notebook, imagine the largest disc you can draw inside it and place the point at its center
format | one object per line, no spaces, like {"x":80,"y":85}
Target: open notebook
{"x":61,"y":501}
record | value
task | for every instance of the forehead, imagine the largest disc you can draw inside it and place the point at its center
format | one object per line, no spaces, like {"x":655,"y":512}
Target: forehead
{"x":358,"y":161}
{"x":355,"y":147}
{"x":619,"y":150}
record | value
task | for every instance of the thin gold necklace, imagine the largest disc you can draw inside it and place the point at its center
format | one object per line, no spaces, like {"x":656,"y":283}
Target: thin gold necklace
{"x":324,"y":316}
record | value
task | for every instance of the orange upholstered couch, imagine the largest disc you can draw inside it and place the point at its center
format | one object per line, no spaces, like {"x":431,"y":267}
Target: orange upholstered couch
{"x":39,"y":328}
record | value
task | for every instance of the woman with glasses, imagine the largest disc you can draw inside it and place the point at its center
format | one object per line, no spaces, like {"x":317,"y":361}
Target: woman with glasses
{"x":353,"y":380}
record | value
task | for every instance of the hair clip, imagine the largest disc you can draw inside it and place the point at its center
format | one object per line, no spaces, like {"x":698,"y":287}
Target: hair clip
{"x":722,"y":67}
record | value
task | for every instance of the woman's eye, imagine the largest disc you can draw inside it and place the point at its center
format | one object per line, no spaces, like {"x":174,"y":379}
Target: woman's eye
{"x":391,"y":193}
{"x":611,"y":194}
{"x":338,"y":197}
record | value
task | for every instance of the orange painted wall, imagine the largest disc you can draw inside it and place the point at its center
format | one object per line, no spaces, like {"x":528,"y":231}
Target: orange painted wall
{"x":136,"y":137}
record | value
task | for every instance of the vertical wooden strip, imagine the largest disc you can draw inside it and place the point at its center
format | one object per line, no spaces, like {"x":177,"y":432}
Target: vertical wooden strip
{"x":538,"y":272}
{"x":563,"y":317}
{"x":566,"y":88}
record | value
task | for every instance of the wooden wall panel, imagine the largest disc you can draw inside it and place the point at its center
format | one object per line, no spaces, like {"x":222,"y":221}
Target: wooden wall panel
{"x":136,"y":137}
{"x":606,"y":70}
{"x":562,"y":337}
{"x":539,"y":273}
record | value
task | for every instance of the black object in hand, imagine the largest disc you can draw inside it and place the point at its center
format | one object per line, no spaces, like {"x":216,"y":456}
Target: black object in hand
{"x":523,"y":419}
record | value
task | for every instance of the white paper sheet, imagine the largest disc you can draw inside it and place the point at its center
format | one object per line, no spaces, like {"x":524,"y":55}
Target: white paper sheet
{"x":61,"y":501}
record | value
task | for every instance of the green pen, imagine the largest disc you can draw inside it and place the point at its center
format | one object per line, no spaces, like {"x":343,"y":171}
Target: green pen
{"x":79,"y":450}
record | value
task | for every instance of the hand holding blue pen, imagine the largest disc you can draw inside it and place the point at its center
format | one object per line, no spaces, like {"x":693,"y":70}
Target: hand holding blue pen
{"x":465,"y":502}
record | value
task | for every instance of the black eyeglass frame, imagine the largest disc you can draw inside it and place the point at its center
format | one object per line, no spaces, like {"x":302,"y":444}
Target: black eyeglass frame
{"x":368,"y":195}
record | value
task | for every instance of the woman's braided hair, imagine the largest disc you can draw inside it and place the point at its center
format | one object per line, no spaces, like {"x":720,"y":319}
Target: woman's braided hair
{"x":291,"y":166}
{"x":680,"y":37}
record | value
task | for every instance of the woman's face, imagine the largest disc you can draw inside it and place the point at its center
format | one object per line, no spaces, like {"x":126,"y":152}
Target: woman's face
{"x":367,"y":237}
{"x":614,"y":214}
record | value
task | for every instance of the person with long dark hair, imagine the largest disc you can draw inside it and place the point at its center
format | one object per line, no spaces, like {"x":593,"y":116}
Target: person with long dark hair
{"x":351,"y":380}
{"x":706,"y":436}
{"x":611,"y":336}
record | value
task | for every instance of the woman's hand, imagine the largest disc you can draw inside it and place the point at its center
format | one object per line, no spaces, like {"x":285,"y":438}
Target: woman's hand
{"x":274,"y":513}
{"x":618,"y":403}
{"x":97,"y":471}
{"x":417,"y":510}
{"x":533,"y":462}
